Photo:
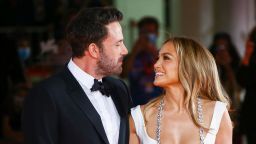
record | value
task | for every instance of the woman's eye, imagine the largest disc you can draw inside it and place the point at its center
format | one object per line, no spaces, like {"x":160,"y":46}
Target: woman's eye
{"x":166,"y":57}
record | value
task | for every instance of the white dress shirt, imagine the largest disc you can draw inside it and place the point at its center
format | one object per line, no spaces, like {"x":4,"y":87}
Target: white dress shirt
{"x":104,"y":105}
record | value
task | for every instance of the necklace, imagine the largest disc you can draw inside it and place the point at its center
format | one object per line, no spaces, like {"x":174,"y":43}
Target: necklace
{"x":160,"y":115}
{"x":200,"y":119}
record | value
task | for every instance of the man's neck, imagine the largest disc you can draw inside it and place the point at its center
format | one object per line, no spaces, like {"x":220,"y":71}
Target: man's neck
{"x":88,"y":65}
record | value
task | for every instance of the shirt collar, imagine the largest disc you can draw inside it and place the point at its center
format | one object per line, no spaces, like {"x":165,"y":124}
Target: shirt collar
{"x":80,"y":75}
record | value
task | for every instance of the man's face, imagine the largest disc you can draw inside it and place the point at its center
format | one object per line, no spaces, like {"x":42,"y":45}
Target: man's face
{"x":113,"y":51}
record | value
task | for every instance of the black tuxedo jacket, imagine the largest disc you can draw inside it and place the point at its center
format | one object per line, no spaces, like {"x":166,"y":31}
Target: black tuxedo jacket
{"x":57,"y":111}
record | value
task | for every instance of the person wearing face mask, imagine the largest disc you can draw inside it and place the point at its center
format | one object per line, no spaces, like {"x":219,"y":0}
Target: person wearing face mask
{"x":138,"y":66}
{"x":24,"y":51}
{"x":12,"y":77}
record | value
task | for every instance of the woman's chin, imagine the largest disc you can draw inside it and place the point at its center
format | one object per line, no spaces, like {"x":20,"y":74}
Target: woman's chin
{"x":157,"y":83}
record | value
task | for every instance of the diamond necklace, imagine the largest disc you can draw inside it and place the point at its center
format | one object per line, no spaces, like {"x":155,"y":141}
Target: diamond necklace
{"x":160,"y":115}
{"x":200,"y":119}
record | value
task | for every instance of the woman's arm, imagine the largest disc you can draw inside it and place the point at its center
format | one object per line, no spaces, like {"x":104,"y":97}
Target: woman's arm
{"x":224,"y":135}
{"x":133,"y":135}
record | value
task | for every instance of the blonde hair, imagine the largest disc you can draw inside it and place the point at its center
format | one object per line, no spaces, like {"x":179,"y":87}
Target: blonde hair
{"x":198,"y":75}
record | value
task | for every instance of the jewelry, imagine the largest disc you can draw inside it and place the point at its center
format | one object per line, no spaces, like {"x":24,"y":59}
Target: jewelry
{"x":160,"y":115}
{"x":200,"y":119}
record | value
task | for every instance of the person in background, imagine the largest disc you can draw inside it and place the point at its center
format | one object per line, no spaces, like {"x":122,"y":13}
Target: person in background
{"x":12,"y":77}
{"x":228,"y":60}
{"x":193,"y":108}
{"x":82,"y":104}
{"x":24,"y":51}
{"x":138,"y":66}
{"x":247,"y":79}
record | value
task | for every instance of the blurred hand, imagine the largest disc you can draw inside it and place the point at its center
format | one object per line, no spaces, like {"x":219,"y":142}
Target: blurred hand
{"x":249,"y":48}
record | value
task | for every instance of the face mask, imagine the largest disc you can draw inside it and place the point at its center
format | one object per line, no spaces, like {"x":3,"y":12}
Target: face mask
{"x":24,"y":53}
{"x":152,"y":38}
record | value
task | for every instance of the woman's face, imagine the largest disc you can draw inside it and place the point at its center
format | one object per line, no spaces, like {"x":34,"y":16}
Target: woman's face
{"x":223,"y":43}
{"x":166,"y":67}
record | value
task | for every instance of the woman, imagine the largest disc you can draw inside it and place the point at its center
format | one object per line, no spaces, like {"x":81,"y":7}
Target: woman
{"x":193,"y":108}
{"x":227,"y":61}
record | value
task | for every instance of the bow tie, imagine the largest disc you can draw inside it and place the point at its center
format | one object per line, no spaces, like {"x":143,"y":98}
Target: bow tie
{"x":99,"y":86}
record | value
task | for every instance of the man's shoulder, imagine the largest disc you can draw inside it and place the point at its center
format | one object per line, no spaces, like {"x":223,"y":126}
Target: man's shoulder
{"x":114,"y":81}
{"x":120,"y":90}
{"x":117,"y":85}
{"x":52,"y":81}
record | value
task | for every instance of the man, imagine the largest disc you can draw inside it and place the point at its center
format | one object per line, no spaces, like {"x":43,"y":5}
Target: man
{"x":138,"y":67}
{"x":73,"y":106}
{"x":11,"y":77}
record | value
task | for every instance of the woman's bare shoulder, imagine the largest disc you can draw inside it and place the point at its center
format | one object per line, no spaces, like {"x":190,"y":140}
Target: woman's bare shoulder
{"x":209,"y":104}
{"x":148,"y":111}
{"x":148,"y":108}
{"x":208,"y":110}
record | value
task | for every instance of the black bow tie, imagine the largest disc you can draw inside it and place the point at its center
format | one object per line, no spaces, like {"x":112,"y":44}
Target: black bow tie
{"x":100,"y":87}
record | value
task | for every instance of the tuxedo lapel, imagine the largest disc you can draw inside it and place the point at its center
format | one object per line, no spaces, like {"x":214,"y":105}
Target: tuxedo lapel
{"x":123,"y":131}
{"x":82,"y":101}
{"x":116,"y":95}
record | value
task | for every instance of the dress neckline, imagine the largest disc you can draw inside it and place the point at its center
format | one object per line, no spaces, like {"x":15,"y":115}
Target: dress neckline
{"x":205,"y":138}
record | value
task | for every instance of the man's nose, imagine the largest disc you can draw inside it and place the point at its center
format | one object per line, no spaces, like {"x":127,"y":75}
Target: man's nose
{"x":124,"y":50}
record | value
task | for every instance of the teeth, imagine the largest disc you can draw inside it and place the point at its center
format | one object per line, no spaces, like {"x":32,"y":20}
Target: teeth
{"x":159,"y":74}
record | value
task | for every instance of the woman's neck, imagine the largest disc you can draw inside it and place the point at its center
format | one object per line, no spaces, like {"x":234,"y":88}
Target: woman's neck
{"x":174,"y":99}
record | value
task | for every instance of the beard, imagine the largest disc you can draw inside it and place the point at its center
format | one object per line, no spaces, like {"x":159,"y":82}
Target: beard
{"x":108,"y":66}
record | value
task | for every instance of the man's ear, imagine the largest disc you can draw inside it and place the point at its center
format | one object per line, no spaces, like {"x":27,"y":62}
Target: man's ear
{"x":93,"y":50}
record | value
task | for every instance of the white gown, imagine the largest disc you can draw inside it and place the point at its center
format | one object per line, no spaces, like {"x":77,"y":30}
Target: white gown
{"x":137,"y":116}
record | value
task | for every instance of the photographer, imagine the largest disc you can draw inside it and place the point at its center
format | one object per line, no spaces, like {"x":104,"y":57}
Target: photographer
{"x":138,"y":66}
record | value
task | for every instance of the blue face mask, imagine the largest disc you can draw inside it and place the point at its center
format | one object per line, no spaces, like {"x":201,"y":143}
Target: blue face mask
{"x":24,"y":53}
{"x":152,"y":38}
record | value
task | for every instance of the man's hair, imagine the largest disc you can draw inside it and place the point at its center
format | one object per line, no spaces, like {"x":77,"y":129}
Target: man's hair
{"x":89,"y":26}
{"x":145,"y":21}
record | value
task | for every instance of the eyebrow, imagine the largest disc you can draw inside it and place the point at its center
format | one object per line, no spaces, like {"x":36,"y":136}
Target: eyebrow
{"x":121,"y":40}
{"x":166,"y":53}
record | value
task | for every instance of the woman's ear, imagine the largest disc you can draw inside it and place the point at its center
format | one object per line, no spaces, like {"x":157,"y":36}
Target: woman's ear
{"x":93,"y":50}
